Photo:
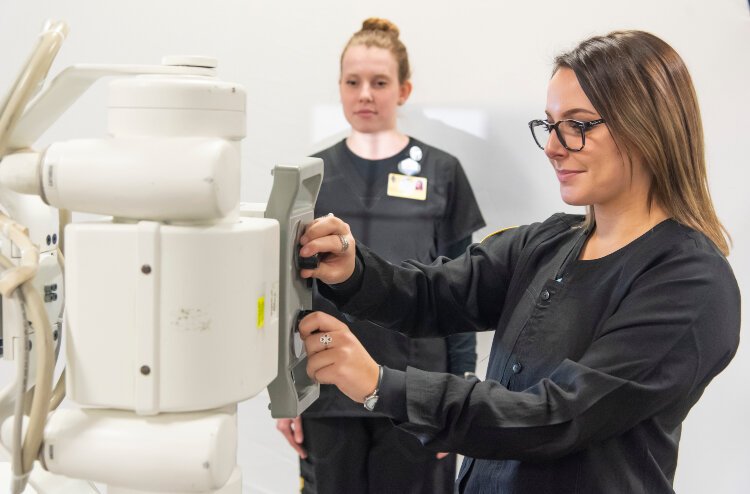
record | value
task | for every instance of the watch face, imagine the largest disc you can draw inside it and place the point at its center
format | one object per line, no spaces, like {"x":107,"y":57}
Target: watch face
{"x":370,"y":402}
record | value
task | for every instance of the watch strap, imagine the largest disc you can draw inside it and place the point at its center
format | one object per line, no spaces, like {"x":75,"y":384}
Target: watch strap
{"x":372,"y":399}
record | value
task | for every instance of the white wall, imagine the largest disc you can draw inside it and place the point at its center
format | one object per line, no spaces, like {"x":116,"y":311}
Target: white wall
{"x":480,"y":72}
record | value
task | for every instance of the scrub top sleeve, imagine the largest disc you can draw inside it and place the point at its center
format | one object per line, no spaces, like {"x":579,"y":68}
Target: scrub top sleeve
{"x":434,"y":300}
{"x":462,"y":216}
{"x":462,"y":347}
{"x":340,"y":292}
{"x":392,"y":393}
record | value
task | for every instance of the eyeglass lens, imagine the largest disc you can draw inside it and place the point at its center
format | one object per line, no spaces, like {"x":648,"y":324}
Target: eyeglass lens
{"x":570,"y":134}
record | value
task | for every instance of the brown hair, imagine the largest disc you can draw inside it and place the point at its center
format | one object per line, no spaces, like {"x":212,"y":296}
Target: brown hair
{"x":642,"y":89}
{"x":382,"y":33}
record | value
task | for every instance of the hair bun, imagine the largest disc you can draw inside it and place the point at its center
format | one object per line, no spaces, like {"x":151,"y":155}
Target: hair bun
{"x":378,"y":24}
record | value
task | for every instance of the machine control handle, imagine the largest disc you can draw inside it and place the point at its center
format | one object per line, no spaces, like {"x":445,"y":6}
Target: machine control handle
{"x":311,"y":262}
{"x":300,"y":315}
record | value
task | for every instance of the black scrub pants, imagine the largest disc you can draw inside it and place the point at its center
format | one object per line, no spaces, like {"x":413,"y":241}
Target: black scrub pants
{"x":365,"y":455}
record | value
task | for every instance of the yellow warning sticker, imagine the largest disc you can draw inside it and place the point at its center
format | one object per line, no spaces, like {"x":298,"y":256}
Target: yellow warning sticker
{"x":261,"y":312}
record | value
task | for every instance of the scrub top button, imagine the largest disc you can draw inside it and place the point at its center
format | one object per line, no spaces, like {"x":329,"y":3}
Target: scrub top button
{"x":517,"y":367}
{"x":545,"y":295}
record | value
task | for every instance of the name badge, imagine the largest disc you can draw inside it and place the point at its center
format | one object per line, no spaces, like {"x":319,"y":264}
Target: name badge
{"x":407,"y":187}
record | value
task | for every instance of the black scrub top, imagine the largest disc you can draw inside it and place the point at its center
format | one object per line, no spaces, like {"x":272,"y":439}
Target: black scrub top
{"x":397,"y":228}
{"x":594,"y":363}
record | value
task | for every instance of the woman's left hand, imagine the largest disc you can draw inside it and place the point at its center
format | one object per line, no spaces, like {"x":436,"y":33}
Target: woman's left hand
{"x":335,"y":356}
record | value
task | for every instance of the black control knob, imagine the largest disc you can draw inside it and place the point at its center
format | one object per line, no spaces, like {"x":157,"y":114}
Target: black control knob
{"x":311,"y":262}
{"x":300,"y":315}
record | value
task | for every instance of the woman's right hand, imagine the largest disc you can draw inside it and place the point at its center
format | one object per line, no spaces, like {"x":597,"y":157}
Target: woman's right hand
{"x":332,"y":240}
{"x":291,"y":429}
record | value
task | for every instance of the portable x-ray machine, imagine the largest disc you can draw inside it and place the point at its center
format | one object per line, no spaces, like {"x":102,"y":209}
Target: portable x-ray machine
{"x":176,"y":306}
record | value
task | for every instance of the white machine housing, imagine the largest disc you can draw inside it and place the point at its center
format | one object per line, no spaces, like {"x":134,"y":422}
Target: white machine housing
{"x":190,"y":314}
{"x":174,"y":300}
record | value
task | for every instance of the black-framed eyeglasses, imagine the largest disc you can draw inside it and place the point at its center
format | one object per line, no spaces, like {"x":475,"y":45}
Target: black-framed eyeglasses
{"x":571,"y":133}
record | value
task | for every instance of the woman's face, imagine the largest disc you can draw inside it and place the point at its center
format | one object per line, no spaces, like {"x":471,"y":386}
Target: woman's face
{"x":597,"y":175}
{"x":369,"y":88}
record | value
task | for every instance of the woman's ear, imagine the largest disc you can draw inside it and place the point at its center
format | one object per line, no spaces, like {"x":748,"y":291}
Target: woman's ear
{"x":403,"y":92}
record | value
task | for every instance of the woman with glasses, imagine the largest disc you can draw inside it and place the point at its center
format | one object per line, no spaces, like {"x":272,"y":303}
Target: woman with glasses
{"x":609,"y":326}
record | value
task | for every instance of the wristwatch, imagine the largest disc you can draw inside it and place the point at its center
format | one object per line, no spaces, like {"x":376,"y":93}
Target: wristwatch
{"x":372,"y":399}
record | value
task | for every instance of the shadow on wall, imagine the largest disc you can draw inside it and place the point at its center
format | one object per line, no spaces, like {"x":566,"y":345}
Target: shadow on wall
{"x":476,"y":138}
